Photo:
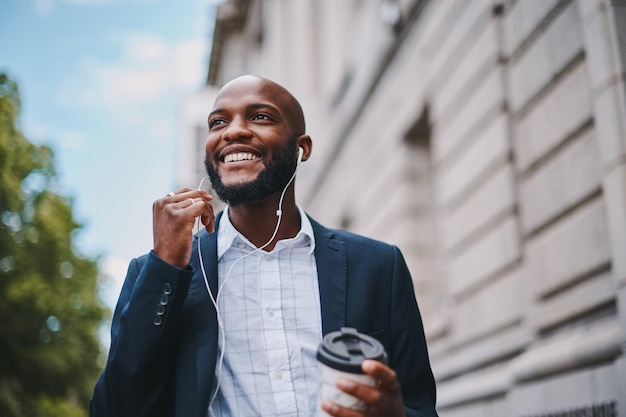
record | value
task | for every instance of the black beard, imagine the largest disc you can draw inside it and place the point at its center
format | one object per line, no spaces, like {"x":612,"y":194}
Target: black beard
{"x":272,"y":179}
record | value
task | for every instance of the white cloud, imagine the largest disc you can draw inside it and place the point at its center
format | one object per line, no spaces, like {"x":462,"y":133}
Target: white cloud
{"x":145,"y":48}
{"x":134,"y":85}
{"x":148,"y":69}
{"x":149,"y":76}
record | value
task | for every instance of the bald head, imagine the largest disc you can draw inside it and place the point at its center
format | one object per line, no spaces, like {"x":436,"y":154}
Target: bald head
{"x":287,"y":103}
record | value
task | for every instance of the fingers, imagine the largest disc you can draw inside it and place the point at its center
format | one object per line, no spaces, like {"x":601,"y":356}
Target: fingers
{"x":208,"y":219}
{"x":186,"y":194}
{"x":384,"y":399}
{"x":335,"y":410}
{"x":370,"y":395}
{"x":385,"y":376}
{"x":190,"y":201}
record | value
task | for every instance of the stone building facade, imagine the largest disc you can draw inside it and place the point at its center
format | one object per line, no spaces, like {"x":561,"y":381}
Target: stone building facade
{"x":487,"y":139}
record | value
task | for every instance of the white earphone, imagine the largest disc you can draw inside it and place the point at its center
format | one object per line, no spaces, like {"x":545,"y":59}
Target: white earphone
{"x":300,"y":153}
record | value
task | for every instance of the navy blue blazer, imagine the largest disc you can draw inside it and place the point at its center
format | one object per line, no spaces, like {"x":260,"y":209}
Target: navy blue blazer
{"x":164,"y":332}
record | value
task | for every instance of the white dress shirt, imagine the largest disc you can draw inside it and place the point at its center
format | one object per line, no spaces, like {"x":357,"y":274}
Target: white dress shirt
{"x":270,"y":309}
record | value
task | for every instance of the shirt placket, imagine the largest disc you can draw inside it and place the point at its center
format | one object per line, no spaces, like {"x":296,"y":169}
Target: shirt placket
{"x":276,"y":341}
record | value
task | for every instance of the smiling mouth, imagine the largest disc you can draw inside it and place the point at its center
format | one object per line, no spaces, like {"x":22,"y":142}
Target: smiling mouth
{"x":240,"y":156}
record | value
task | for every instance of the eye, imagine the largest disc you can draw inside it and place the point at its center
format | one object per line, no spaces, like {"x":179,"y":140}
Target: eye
{"x":216,"y":122}
{"x":261,"y":116}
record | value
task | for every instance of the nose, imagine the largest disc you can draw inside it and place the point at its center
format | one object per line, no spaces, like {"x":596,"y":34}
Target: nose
{"x":237,"y":129}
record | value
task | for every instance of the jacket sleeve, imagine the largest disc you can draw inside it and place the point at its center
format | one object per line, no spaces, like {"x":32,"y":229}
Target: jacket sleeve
{"x":138,"y":379}
{"x":409,"y":352}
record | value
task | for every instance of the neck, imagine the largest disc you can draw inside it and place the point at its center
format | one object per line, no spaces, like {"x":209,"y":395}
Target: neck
{"x":257,"y":221}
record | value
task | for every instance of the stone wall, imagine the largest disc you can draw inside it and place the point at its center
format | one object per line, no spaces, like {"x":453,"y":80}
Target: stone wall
{"x":487,"y":139}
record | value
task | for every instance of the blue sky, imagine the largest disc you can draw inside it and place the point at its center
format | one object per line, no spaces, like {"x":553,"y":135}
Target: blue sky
{"x":101,"y":82}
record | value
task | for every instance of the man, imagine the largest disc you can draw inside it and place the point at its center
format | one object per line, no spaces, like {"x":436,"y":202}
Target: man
{"x":227,"y":322}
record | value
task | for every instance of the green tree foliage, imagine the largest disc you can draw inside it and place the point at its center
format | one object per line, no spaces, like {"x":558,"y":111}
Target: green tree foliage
{"x":49,"y":311}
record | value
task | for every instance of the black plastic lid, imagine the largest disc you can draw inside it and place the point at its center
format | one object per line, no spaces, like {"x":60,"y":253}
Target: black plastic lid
{"x":345,"y":350}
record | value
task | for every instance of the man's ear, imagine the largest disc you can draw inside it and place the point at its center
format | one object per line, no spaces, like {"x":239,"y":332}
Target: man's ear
{"x":306,"y":144}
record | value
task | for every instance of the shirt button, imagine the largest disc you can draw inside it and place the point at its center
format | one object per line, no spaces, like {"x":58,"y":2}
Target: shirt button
{"x":270,"y":312}
{"x":279,"y":374}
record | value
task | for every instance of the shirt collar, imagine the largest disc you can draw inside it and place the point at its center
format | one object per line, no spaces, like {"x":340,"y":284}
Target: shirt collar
{"x":227,"y":234}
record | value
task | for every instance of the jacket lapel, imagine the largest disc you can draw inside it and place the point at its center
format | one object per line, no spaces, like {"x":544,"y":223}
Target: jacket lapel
{"x":332,"y":270}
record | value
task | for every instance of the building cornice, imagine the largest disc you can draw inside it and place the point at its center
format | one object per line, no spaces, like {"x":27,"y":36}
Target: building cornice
{"x":230,"y":16}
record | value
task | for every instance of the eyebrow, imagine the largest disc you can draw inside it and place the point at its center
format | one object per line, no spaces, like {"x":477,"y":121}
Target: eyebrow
{"x":262,"y":105}
{"x":250,"y":106}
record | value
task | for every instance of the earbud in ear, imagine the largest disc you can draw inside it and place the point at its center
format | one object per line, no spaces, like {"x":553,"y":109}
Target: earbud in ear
{"x":300,"y":152}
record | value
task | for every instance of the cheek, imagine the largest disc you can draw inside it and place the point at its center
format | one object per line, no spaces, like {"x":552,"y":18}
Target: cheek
{"x":210,"y":146}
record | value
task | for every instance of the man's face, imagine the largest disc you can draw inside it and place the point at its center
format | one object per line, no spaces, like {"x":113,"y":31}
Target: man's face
{"x":251,"y":148}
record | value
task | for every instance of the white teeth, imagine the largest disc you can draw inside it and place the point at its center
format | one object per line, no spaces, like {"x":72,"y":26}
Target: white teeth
{"x":240,"y":156}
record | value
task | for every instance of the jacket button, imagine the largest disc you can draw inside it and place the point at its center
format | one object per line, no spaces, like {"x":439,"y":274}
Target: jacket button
{"x":167,"y":288}
{"x":164,"y":299}
{"x":160,"y":310}
{"x":157,"y":320}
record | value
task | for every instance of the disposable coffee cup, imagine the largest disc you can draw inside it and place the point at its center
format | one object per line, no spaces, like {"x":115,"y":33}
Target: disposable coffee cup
{"x":340,"y":355}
